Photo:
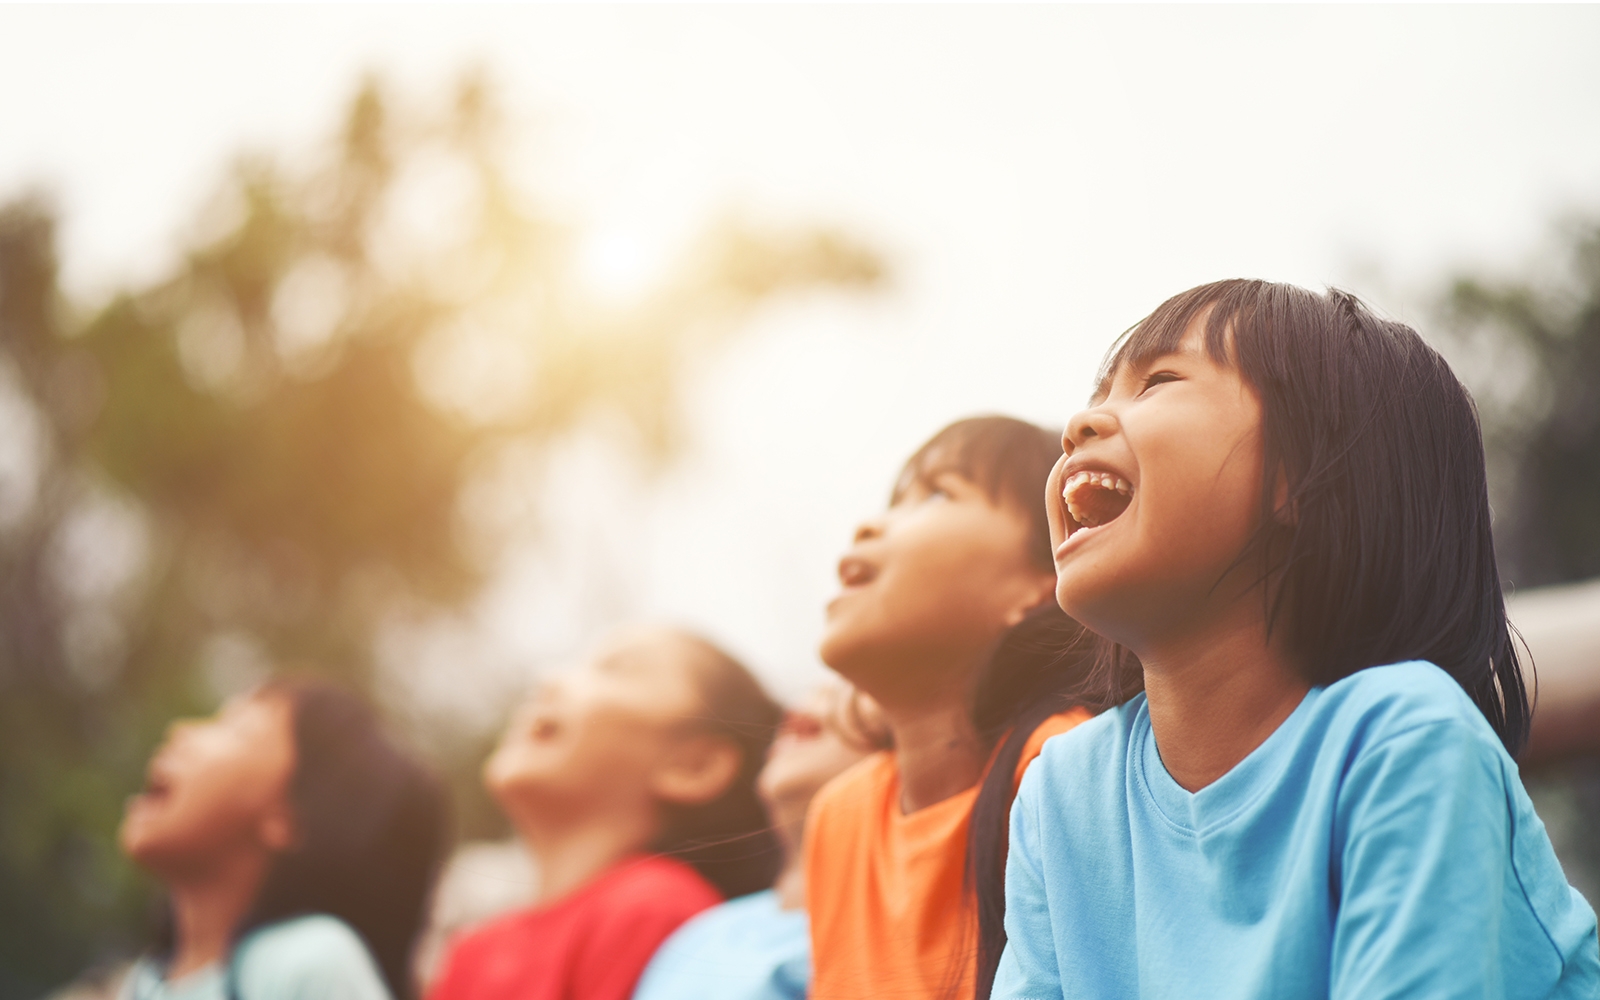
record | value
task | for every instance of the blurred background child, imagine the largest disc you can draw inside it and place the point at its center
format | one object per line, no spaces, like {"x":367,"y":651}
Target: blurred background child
{"x":298,"y":847}
{"x":945,"y":618}
{"x":759,"y":947}
{"x":632,"y":779}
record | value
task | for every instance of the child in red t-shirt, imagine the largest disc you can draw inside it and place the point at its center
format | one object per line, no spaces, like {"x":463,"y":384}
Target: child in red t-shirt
{"x":632,"y":780}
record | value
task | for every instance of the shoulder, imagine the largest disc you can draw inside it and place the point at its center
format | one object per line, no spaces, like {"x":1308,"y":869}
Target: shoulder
{"x":876,"y":772}
{"x":495,"y":932}
{"x":757,"y":906}
{"x":651,"y":889}
{"x":660,"y":878}
{"x":311,"y":956}
{"x":1376,"y":704}
{"x":745,"y":917}
{"x":144,"y":980}
{"x":1082,"y":773}
{"x":858,"y":784}
{"x":1050,"y":728}
{"x":317,"y":939}
{"x":1092,"y":742}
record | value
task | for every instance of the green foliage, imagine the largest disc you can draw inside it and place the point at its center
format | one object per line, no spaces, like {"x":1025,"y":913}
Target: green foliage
{"x":284,"y":427}
{"x":1532,"y":354}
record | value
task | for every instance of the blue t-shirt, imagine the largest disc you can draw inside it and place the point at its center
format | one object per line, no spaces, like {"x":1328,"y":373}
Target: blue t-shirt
{"x":1378,"y":844}
{"x":745,"y":949}
{"x":314,"y":957}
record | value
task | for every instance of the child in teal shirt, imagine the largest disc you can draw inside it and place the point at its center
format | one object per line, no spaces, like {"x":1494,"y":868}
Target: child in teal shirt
{"x":1276,"y":502}
{"x":298,"y":846}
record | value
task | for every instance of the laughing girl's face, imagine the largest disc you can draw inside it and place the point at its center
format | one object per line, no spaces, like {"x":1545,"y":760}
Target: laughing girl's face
{"x":1157,"y":496}
{"x":598,"y":729}
{"x":928,"y":586}
{"x":216,"y":787}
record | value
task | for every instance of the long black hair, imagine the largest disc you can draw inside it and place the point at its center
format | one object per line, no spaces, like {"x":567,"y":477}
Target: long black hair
{"x":371,"y":829}
{"x":1045,"y":664}
{"x":1383,"y":551}
{"x":728,"y":840}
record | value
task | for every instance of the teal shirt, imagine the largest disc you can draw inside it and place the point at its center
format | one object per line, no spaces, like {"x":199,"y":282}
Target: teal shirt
{"x":1378,"y":844}
{"x":315,"y":957}
{"x":748,"y":948}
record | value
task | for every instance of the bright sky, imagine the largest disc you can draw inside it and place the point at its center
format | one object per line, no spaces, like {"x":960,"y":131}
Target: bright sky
{"x":1040,"y":176}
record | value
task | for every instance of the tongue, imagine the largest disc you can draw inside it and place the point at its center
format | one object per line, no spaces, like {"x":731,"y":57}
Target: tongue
{"x":1093,"y":506}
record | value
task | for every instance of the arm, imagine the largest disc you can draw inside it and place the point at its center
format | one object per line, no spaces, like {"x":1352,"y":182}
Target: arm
{"x":1028,"y":968}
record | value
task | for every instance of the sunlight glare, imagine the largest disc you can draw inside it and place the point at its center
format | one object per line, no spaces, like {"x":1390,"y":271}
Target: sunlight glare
{"x":619,"y":265}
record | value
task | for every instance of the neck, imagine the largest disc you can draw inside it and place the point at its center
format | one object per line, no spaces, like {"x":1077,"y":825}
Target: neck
{"x":574,"y":852}
{"x":1215,"y":697}
{"x":208,"y":908}
{"x":790,"y":826}
{"x":937,"y":752}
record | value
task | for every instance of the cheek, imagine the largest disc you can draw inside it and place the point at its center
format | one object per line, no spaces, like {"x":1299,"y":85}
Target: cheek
{"x":957,"y":577}
{"x":202,"y":817}
{"x":1205,"y":499}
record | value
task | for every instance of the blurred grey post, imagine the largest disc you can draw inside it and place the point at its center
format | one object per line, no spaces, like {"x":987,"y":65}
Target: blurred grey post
{"x":1561,"y":763}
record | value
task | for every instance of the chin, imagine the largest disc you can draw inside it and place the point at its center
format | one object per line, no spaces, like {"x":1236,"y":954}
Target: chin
{"x":836,"y":647}
{"x":845,"y":657}
{"x":1090,"y":606}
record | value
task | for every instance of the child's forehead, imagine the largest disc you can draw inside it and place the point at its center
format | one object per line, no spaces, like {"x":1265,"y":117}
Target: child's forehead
{"x":933,"y":465}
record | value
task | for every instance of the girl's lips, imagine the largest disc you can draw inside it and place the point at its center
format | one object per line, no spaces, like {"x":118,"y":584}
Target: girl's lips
{"x":1078,"y":538}
{"x":546,"y":729}
{"x":856,"y":572}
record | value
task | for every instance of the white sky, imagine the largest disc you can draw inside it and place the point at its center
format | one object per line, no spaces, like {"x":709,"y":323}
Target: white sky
{"x":1041,"y":177}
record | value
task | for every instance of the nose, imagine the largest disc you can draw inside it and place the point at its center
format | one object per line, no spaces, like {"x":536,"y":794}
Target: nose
{"x":177,"y":727}
{"x":867,"y":530}
{"x":1094,"y":422}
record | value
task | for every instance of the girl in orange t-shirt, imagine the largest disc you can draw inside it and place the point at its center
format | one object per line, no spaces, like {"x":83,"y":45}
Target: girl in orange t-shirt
{"x":946,"y":617}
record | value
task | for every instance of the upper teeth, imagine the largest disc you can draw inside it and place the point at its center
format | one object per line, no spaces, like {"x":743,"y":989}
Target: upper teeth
{"x":1104,"y":480}
{"x":1098,"y":480}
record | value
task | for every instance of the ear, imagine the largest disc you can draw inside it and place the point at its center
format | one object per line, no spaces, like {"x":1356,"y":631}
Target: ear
{"x":1284,"y":512}
{"x":1039,"y":588}
{"x":276,"y":831}
{"x":696,"y":770}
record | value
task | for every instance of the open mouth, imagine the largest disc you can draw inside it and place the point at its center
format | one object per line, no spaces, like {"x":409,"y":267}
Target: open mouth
{"x":856,"y":572}
{"x":545,"y":729}
{"x":1095,"y":498}
{"x":157,"y":788}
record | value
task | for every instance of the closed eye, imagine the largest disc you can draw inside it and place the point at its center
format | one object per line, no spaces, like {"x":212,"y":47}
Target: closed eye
{"x":1157,"y":378}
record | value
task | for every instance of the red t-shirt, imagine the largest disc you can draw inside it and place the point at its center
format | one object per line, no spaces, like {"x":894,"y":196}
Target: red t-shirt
{"x":589,"y":945}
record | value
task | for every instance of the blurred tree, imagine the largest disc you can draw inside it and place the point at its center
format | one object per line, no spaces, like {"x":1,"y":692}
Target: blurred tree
{"x":1531,"y":352}
{"x":252,"y":462}
{"x":1532,"y":355}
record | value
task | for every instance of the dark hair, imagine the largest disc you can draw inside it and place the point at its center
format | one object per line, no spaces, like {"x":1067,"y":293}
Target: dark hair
{"x":728,"y":840}
{"x":1045,"y":664}
{"x":1009,"y":458}
{"x":372,"y":828}
{"x":1386,"y":553}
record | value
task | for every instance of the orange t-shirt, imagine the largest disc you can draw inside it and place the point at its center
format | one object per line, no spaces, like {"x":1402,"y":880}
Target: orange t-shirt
{"x":888,"y":917}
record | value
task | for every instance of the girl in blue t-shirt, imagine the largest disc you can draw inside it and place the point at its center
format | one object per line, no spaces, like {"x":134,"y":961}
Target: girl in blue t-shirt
{"x":1276,"y":501}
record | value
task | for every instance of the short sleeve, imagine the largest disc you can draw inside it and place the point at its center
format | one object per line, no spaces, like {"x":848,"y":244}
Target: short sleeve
{"x":1430,"y":903}
{"x":1028,"y":969}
